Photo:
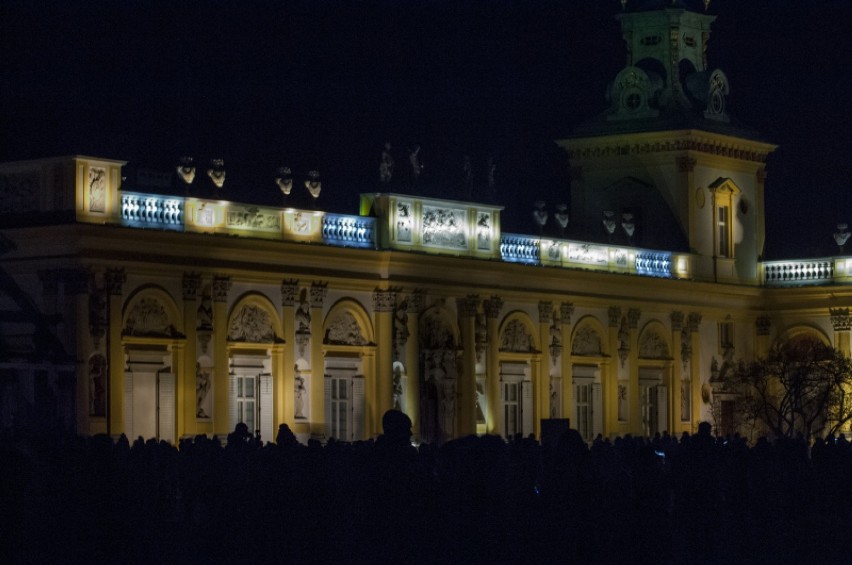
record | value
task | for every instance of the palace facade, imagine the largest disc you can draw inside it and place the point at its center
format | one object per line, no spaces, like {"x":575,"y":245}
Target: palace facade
{"x":127,"y":309}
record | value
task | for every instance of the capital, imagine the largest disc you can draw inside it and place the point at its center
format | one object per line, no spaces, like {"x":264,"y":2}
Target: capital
{"x":190,"y":284}
{"x":493,"y":306}
{"x":614,"y":315}
{"x":545,"y":312}
{"x":383,"y":300}
{"x":468,"y":305}
{"x":840,"y":319}
{"x":115,"y":279}
{"x":319,"y":290}
{"x":677,"y":321}
{"x":289,"y":290}
{"x":633,"y":316}
{"x":221,"y":286}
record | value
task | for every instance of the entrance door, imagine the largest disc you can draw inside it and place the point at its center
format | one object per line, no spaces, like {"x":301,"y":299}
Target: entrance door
{"x":588,"y":401}
{"x":251,"y":403}
{"x":344,"y":406}
{"x":149,"y":405}
{"x":516,"y":397}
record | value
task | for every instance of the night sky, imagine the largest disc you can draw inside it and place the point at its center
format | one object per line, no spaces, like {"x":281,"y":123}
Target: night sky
{"x":323,"y":85}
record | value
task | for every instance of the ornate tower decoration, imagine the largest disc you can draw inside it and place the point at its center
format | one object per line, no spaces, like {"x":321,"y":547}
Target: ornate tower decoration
{"x":666,"y":66}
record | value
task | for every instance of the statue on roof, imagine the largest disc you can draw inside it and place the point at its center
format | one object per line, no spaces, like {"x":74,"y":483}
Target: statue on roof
{"x":386,"y":165}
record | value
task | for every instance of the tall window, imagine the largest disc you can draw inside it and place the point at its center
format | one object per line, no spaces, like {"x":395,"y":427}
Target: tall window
{"x":723,"y":223}
{"x":726,"y":335}
{"x":583,"y":398}
{"x":247,"y":401}
{"x":512,"y":408}
{"x":340,"y":408}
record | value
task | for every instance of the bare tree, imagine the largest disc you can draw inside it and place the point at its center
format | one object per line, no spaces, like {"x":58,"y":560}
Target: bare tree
{"x":801,"y":387}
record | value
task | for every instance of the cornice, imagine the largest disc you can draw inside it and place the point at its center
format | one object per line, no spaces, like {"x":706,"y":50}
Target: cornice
{"x":646,"y":143}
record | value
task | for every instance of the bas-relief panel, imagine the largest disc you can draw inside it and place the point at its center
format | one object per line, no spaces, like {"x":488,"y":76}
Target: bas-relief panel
{"x":483,"y":231}
{"x":149,"y":318}
{"x":344,"y":330}
{"x":404,"y":217}
{"x":97,"y":189}
{"x":251,"y":324}
{"x":586,"y":342}
{"x":444,"y":227}
{"x":253,"y":218}
{"x":652,"y":346}
{"x":516,"y":338}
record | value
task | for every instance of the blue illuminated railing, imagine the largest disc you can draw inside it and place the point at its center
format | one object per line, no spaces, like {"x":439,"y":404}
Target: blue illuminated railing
{"x":150,"y":210}
{"x":654,"y":263}
{"x":797,"y":272}
{"x":516,"y":248}
{"x":349,"y":231}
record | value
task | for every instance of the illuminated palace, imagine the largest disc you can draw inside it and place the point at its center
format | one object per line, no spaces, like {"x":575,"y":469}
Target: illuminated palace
{"x":127,"y":309}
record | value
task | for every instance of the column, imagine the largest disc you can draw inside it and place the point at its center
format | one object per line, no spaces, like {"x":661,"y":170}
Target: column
{"x":693,"y":321}
{"x":634,"y":394}
{"x":318,"y":293}
{"x":221,"y":370}
{"x":185,"y":385}
{"x":382,"y":401}
{"x":411,"y":360}
{"x":842,"y":322}
{"x":566,"y":311}
{"x":466,"y":389}
{"x":285,"y":396}
{"x":541,"y":389}
{"x":493,"y":419}
{"x":114,"y":280}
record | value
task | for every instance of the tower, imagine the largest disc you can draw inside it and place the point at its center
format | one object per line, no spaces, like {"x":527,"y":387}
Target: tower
{"x":667,"y":153}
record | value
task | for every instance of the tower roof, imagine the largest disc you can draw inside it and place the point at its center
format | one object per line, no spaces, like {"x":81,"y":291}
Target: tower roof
{"x":666,"y":82}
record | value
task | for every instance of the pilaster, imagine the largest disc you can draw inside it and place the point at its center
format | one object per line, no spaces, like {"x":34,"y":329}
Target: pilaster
{"x":693,"y":323}
{"x":185,"y":390}
{"x":384,"y":301}
{"x":318,"y":292}
{"x":77,"y":285}
{"x":633,"y":393}
{"x":566,"y":311}
{"x":221,"y":370}
{"x":493,"y":419}
{"x":609,"y":389}
{"x":466,"y":401}
{"x":542,"y":387}
{"x":285,"y":398}
{"x":114,"y":280}
{"x":412,"y":366}
{"x":842,"y":323}
{"x":680,"y":363}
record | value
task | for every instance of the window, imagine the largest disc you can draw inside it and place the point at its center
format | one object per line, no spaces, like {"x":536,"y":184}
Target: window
{"x":726,"y":335}
{"x":511,"y":409}
{"x":340,"y":408}
{"x":247,"y":401}
{"x":723,"y":224}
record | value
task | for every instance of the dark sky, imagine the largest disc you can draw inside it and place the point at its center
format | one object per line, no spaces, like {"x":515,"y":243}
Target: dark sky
{"x":323,"y":84}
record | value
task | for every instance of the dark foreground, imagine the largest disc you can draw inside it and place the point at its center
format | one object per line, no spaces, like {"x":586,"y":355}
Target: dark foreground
{"x":67,"y":499}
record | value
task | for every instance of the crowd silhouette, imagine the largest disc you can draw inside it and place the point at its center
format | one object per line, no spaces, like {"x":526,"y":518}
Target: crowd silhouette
{"x":692,"y":499}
